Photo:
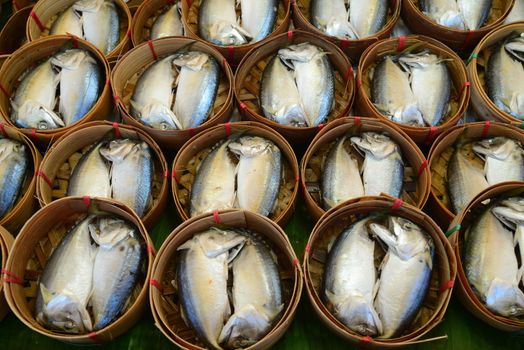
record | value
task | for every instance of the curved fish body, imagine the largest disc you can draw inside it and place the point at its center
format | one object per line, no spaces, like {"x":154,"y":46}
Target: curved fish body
{"x":491,"y":265}
{"x":201,"y":278}
{"x":517,"y":12}
{"x":35,"y":99}
{"x":314,"y":79}
{"x":350,"y":279}
{"x":340,"y":176}
{"x":153,"y":96}
{"x":80,"y":84}
{"x":503,"y":159}
{"x":217,"y":23}
{"x":367,"y":17}
{"x":258,"y":174}
{"x":258,"y":17}
{"x":167,"y":24}
{"x":279,"y":95}
{"x":100,"y":23}
{"x":67,"y":282}
{"x":115,"y":270}
{"x":444,"y":12}
{"x":90,"y":176}
{"x":392,"y":94}
{"x":428,"y":70}
{"x":69,"y":22}
{"x":465,"y":178}
{"x":332,"y":17}
{"x":14,"y":162}
{"x":383,"y":169}
{"x":196,"y":89}
{"x":214,"y":185}
{"x":131,"y":173}
{"x":256,"y":294}
{"x":405,"y":273}
{"x":474,"y":12}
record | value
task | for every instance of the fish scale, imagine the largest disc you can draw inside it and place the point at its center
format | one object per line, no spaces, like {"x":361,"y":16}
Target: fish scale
{"x":14,"y":163}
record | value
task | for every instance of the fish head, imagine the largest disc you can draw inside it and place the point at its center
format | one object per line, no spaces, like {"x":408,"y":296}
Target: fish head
{"x":249,"y":146}
{"x":64,"y":312}
{"x":411,"y":240}
{"x":303,"y":52}
{"x":193,"y":60}
{"x":245,"y":327}
{"x":498,"y":147}
{"x":378,"y":145}
{"x":72,"y":59}
{"x":107,"y":232}
{"x":34,"y":115}
{"x":420,"y":60}
{"x":9,"y":147}
{"x":510,"y":211}
{"x":215,"y":242}
{"x":505,"y":298}
{"x":226,"y":33}
{"x":117,"y":150}
{"x":515,"y":47}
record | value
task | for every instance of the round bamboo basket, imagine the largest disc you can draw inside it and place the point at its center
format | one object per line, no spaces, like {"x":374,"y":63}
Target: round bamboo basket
{"x":234,"y":54}
{"x":439,"y":202}
{"x":26,"y":204}
{"x":31,"y":54}
{"x":166,"y":311}
{"x":130,"y":67}
{"x":3,"y":59}
{"x":417,"y":179}
{"x":18,"y":5}
{"x":145,"y":17}
{"x":34,"y":246}
{"x":6,"y":242}
{"x":460,"y":224}
{"x":459,"y":91}
{"x":195,"y":150}
{"x":443,"y":274}
{"x":249,"y":74}
{"x":458,"y":40}
{"x":45,"y":13}
{"x":62,"y":156}
{"x":352,"y":48}
{"x":10,"y":38}
{"x":480,"y":101}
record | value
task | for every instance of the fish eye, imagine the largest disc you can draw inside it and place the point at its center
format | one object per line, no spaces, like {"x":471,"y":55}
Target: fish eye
{"x":42,"y":126}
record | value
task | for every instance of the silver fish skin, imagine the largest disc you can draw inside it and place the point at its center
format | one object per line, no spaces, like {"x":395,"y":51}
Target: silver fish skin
{"x":503,"y":159}
{"x":429,"y":70}
{"x":258,"y":17}
{"x":517,"y":12}
{"x":100,"y":23}
{"x":392,"y":94}
{"x":444,"y":12}
{"x":256,"y":294}
{"x":340,"y":176}
{"x":14,"y":162}
{"x":214,"y":185}
{"x":474,"y":12}
{"x":350,"y":280}
{"x":332,"y":17}
{"x":367,"y":17}
{"x":153,"y":96}
{"x":68,"y":22}
{"x":279,"y":95}
{"x":259,"y":173}
{"x":217,"y":23}
{"x":515,"y":47}
{"x":90,"y":176}
{"x":383,"y":168}
{"x":197,"y":87}
{"x":167,"y":24}
{"x":67,"y":281}
{"x":35,"y":99}
{"x":400,"y":29}
{"x":491,"y":265}
{"x":465,"y":178}
{"x":80,"y":83}
{"x":115,"y":269}
{"x":314,"y":78}
{"x":405,"y":273}
{"x":131,"y":173}
{"x":201,"y":278}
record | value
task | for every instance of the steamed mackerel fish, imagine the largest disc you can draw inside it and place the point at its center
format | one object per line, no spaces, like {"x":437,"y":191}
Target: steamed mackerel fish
{"x":474,"y":12}
{"x":350,"y":280}
{"x":444,"y":12}
{"x":258,"y":17}
{"x":405,"y":273}
{"x":332,"y":17}
{"x":367,"y":17}
{"x":14,"y":162}
{"x":503,"y":159}
{"x":217,"y":23}
{"x":314,"y":79}
{"x":258,"y":173}
{"x":201,"y":279}
{"x":67,"y":23}
{"x":90,"y":176}
{"x":167,"y":24}
{"x":340,"y":176}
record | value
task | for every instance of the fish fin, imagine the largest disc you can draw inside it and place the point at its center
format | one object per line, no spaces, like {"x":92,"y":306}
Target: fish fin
{"x":47,"y":295}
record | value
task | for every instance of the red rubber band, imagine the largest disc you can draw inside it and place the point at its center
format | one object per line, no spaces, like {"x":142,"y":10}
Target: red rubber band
{"x":117,"y":98}
{"x":118,"y":134}
{"x":152,"y":48}
{"x":4,"y":91}
{"x":166,"y":173}
{"x":308,"y":248}
{"x":2,"y":130}
{"x":422,"y":168}
{"x":227,"y":126}
{"x":33,"y":134}
{"x":366,"y":340}
{"x":297,"y":179}
{"x":359,"y":84}
{"x":485,"y":131}
{"x":74,"y":39}
{"x":467,"y":40}
{"x":358,"y":120}
{"x":151,"y":249}
{"x":289,"y":35}
{"x":86,"y":200}
{"x":94,"y":337}
{"x":44,"y":177}
{"x":11,"y":277}
{"x":344,"y":43}
{"x":295,"y":262}
{"x":216,"y":217}
{"x":320,"y":126}
{"x":447,"y":285}
{"x":401,"y":43}
{"x":174,"y":175}
{"x":191,"y":132}
{"x":107,"y":81}
{"x":431,"y":135}
{"x":348,"y":73}
{"x":128,"y":33}
{"x":231,"y":53}
{"x":37,"y":20}
{"x":156,"y":284}
{"x":397,"y":204}
{"x":243,"y":106}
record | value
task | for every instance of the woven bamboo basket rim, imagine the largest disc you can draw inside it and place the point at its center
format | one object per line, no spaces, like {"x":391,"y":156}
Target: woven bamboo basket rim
{"x":212,"y":136}
{"x":342,"y":67}
{"x":457,"y":226}
{"x":272,"y":234}
{"x":492,"y":38}
{"x":30,"y":54}
{"x":45,"y":10}
{"x":6,"y":243}
{"x":443,"y":252}
{"x":143,"y":55}
{"x":61,"y":150}
{"x":355,"y":126}
{"x":3,"y":59}
{"x":10,"y":29}
{"x":30,"y":238}
{"x":17,"y":5}
{"x":471,"y":131}
{"x":392,"y":46}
